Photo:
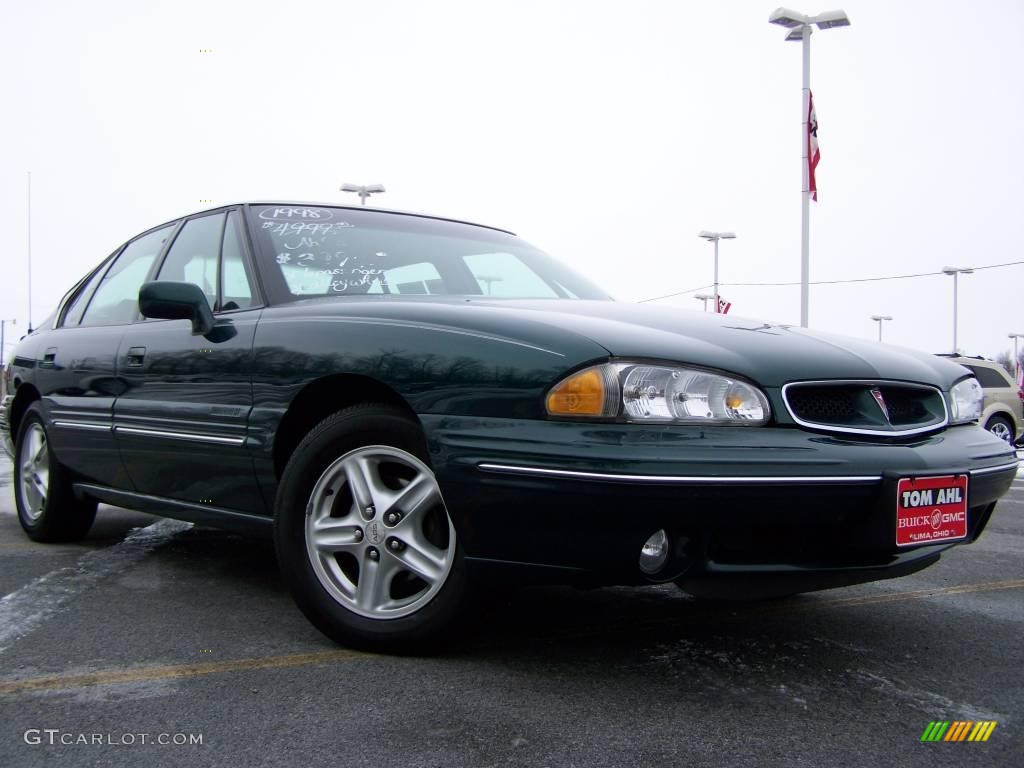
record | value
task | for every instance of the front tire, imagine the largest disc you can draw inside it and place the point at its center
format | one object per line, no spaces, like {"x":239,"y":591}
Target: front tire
{"x":364,"y":540}
{"x":1001,"y":427}
{"x":47,"y":508}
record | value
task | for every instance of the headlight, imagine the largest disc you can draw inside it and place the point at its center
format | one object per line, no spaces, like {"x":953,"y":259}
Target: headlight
{"x":658,"y":393}
{"x":965,"y":400}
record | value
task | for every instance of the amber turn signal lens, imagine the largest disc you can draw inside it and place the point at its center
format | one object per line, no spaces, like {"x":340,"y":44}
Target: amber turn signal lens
{"x":582,"y":394}
{"x":733,"y":401}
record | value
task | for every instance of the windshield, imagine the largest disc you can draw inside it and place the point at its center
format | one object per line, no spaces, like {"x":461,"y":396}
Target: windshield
{"x":308,"y":251}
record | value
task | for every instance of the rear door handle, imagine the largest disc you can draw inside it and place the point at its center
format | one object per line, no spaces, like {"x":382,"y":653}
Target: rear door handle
{"x":135,"y":357}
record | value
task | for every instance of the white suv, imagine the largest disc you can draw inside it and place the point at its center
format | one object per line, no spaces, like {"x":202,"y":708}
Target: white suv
{"x":1003,"y":415}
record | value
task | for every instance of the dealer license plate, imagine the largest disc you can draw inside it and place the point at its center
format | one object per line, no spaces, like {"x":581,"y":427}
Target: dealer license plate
{"x":931,"y":509}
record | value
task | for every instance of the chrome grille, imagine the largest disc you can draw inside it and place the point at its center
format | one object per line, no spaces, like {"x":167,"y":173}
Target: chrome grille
{"x":866,"y":407}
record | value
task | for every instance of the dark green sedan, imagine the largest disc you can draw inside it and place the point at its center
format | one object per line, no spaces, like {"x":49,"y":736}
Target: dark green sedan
{"x":411,"y":406}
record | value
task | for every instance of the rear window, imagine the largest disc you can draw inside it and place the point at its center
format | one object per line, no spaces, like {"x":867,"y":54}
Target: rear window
{"x":990,"y":378}
{"x":316,"y":251}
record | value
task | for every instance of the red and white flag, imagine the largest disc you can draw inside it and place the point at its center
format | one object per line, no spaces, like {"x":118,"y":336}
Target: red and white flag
{"x":723,"y":306}
{"x":813,"y":155}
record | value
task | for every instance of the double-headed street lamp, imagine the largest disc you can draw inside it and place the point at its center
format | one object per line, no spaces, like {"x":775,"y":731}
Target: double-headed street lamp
{"x":704,"y":297}
{"x":799,"y":25}
{"x":880,"y":319}
{"x":956,"y":272}
{"x":363,"y":190}
{"x":714,"y":237}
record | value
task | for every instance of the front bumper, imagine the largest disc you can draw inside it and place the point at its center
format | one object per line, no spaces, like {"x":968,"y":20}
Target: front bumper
{"x":741,"y":505}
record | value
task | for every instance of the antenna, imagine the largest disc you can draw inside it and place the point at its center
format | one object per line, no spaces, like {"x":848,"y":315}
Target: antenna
{"x":29,"y":194}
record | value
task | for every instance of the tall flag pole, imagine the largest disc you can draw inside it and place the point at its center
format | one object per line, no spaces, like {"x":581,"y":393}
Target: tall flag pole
{"x":800,"y":29}
{"x":805,"y":172}
{"x":813,"y":155}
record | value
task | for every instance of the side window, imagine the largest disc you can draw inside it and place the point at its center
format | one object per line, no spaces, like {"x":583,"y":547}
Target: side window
{"x":504,"y":274}
{"x":193,"y":255}
{"x":73,"y":314}
{"x":989,"y":378}
{"x":117,"y":296}
{"x":236,"y":287}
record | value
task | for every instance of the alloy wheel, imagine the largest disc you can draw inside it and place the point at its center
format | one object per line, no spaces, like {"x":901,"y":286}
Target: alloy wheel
{"x":34,"y":480}
{"x":1000,"y":430}
{"x":377,"y":532}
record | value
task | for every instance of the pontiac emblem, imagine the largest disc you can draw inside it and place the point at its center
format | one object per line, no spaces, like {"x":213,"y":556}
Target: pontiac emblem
{"x":877,"y":394}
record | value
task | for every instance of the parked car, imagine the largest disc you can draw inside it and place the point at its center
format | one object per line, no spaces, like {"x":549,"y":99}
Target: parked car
{"x":1003,"y":407}
{"x":407,"y":404}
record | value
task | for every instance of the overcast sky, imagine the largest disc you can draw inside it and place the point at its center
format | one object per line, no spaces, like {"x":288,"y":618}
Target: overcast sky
{"x":606,"y":133}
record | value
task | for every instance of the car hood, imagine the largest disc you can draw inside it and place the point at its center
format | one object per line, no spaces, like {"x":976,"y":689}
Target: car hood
{"x":769,"y":354}
{"x":579,"y":331}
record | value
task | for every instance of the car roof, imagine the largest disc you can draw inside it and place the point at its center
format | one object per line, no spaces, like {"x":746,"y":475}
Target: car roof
{"x":342,"y":205}
{"x":969,"y":360}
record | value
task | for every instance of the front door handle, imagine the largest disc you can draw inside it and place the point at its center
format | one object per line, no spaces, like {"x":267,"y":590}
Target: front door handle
{"x":49,"y":357}
{"x":135,"y":357}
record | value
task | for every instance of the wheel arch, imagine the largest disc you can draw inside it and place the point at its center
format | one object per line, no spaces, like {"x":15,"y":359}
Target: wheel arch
{"x":23,"y":398}
{"x":998,"y":409}
{"x":322,"y":397}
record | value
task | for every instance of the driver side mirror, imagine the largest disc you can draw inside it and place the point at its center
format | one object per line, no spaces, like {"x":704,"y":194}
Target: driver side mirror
{"x":177,"y":301}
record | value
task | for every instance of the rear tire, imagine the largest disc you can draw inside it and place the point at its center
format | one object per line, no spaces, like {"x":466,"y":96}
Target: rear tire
{"x":1001,"y":427}
{"x":47,"y":507}
{"x":364,"y":541}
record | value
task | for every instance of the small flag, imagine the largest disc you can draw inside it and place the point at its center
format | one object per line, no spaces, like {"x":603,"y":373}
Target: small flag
{"x":723,"y":306}
{"x":813,"y":155}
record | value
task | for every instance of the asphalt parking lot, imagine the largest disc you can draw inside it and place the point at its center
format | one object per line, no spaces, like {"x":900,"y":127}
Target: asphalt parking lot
{"x":155,"y":630}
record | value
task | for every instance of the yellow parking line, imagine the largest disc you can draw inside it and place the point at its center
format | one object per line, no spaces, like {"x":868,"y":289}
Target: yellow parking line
{"x":746,"y":611}
{"x":178,"y":671}
{"x":31,"y":546}
{"x":917,"y":594}
{"x":149,"y":674}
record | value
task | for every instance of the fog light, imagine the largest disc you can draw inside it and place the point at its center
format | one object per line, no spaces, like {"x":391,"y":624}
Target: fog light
{"x":654,"y":553}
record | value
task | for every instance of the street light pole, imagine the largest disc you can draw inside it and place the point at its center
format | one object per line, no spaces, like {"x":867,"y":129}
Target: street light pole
{"x":1016,"y":357}
{"x":956,"y":272}
{"x":799,"y":25}
{"x":363,"y":190}
{"x":880,"y":319}
{"x":714,"y":237}
{"x":717,"y":304}
{"x":3,"y":336}
{"x":704,"y":297}
{"x":3,"y":352}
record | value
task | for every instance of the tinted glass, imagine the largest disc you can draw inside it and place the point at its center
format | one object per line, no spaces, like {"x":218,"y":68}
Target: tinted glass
{"x":989,"y":377}
{"x":319,"y":251}
{"x":76,"y":307}
{"x":236,"y":288}
{"x":193,"y":255}
{"x":117,"y":297}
